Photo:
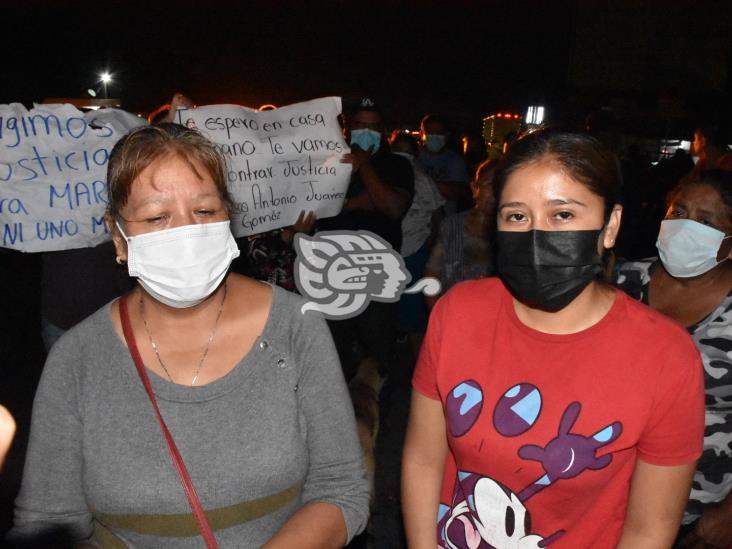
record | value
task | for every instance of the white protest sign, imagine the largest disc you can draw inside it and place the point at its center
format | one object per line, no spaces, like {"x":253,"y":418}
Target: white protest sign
{"x":53,"y":168}
{"x":280,"y":162}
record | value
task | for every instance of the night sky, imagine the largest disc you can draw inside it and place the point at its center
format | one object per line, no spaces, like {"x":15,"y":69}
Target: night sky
{"x":466,"y":59}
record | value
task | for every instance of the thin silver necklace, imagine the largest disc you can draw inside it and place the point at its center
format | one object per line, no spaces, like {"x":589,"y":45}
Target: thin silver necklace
{"x":208,"y":344}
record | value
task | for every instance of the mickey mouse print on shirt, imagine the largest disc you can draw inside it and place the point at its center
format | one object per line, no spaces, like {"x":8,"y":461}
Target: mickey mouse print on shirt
{"x":487,"y":513}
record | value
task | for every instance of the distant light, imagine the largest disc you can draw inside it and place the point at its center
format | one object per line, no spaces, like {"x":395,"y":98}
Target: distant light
{"x":105,"y":79}
{"x":535,"y":115}
{"x":91,"y":92}
{"x":500,"y":115}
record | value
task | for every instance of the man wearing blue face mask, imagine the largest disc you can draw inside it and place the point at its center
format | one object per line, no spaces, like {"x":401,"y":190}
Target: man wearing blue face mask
{"x":382,"y":183}
{"x":443,"y":165}
{"x":379,"y":195}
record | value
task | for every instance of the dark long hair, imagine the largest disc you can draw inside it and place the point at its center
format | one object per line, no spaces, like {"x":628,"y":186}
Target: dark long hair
{"x":580,"y":156}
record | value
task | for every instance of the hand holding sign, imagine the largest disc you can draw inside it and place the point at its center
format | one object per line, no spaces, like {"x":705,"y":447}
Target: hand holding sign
{"x":304,"y":224}
{"x":179,"y":101}
{"x":357,"y":157}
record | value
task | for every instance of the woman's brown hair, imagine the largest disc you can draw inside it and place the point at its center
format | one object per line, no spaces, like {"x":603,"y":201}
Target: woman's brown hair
{"x":143,"y":146}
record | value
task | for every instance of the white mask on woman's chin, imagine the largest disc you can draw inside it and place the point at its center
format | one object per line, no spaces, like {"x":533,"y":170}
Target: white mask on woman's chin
{"x":181,"y":267}
{"x":688,"y":248}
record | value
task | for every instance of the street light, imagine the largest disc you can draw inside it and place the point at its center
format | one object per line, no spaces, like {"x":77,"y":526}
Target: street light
{"x":106,"y":79}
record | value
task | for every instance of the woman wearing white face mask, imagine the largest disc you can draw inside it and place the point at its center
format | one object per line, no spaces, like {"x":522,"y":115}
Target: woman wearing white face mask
{"x":692,"y":284}
{"x":260,"y":445}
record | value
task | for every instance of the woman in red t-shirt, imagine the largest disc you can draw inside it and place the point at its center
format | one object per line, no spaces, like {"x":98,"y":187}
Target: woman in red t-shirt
{"x":550,"y":409}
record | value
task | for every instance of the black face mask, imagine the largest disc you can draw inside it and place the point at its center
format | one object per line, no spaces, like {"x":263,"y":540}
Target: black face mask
{"x":548,"y":269}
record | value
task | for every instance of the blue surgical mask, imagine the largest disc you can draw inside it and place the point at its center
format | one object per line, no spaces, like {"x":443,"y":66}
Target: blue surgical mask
{"x":434,"y":142}
{"x":365,"y":139}
{"x":688,"y":248}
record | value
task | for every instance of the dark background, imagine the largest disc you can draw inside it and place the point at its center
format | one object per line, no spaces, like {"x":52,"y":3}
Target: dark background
{"x":650,"y":61}
{"x":659,"y":67}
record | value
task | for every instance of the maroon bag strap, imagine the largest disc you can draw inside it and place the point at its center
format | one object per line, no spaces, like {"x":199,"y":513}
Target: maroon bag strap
{"x":185,"y":478}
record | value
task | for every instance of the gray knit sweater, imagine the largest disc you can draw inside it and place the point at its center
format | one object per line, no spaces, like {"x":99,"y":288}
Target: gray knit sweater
{"x":273,"y":434}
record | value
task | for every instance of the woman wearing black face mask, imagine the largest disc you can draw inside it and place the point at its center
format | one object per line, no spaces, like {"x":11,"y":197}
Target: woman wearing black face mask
{"x":551,"y":410}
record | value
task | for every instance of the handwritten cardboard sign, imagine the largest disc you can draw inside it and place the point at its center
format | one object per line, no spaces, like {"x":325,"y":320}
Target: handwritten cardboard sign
{"x":280,"y":162}
{"x":53,"y":167}
{"x":53,"y":164}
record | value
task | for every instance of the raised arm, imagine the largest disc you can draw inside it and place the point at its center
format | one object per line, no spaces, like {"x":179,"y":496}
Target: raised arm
{"x":423,"y":464}
{"x":178,"y":101}
{"x":305,"y":223}
{"x":384,"y":196}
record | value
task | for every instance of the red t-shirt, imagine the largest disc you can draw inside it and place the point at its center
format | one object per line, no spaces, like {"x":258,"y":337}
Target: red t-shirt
{"x":544,"y":430}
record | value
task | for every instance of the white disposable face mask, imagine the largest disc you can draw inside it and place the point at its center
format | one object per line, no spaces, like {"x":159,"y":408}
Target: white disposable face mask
{"x":181,"y":267}
{"x":688,"y":248}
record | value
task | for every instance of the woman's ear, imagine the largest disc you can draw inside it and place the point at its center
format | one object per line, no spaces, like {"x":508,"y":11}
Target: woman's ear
{"x":120,"y":244}
{"x":612,"y":228}
{"x":726,"y":245}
